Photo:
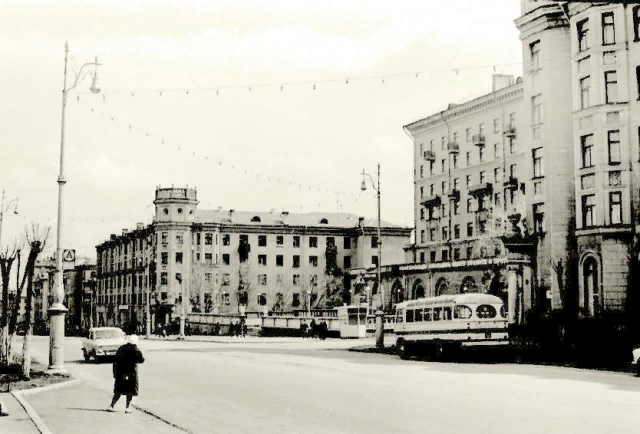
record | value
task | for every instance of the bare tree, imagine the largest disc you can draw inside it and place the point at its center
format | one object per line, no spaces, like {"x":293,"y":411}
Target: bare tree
{"x":36,"y":239}
{"x":7,"y":256}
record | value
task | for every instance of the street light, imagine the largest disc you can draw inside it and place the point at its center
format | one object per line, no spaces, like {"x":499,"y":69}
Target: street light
{"x":4,"y":209}
{"x":57,"y":310}
{"x":309,"y":303}
{"x":368,"y":289}
{"x":376,"y":186}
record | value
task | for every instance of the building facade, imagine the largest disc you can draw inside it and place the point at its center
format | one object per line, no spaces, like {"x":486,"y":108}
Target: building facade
{"x":229,"y":261}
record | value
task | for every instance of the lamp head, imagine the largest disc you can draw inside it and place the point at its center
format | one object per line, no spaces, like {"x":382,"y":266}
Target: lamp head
{"x":363,"y":185}
{"x":94,"y":85}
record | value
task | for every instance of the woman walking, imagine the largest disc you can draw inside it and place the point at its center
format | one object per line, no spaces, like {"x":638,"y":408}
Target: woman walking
{"x":125,"y":372}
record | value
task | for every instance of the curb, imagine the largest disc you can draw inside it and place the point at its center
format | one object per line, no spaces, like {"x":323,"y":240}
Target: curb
{"x":19,"y":396}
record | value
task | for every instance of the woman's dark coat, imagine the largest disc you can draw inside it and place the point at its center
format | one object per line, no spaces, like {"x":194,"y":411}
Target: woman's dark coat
{"x":125,"y":369}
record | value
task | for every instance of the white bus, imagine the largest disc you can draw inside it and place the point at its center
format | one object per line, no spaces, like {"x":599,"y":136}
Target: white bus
{"x":446,"y":323}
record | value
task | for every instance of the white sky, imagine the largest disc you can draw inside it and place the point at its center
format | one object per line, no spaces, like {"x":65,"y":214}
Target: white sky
{"x":321,"y":138}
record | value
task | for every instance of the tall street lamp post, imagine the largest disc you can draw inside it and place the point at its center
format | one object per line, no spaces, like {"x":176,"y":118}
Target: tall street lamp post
{"x":57,"y":310}
{"x":376,"y":186}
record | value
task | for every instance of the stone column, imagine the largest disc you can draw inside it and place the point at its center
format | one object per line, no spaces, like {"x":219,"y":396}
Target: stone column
{"x":512,"y":292}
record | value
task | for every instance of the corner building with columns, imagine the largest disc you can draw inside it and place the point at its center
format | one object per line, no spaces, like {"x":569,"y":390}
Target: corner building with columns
{"x":229,"y":261}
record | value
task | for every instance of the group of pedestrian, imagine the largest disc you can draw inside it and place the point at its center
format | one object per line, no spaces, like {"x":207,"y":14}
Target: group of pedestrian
{"x":239,"y":328}
{"x":313,"y":329}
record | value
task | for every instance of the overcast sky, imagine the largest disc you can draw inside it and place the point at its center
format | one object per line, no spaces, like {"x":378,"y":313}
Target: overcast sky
{"x":320,"y":138}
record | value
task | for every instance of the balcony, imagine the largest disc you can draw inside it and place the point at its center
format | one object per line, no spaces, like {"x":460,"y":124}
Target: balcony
{"x":478,"y":140}
{"x":454,"y":194}
{"x":511,"y":183}
{"x":453,"y":148}
{"x":481,"y":189}
{"x":429,"y":155}
{"x":431,"y":201}
{"x":510,"y":132}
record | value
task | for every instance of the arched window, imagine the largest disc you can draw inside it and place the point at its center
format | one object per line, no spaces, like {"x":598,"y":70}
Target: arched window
{"x":256,"y":219}
{"x":397,"y":292}
{"x":468,"y":285}
{"x":442,"y":286}
{"x":418,"y":290}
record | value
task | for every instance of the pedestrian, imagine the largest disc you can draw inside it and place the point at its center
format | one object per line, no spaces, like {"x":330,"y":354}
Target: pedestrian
{"x":303,"y":329}
{"x":313,"y":328}
{"x":238,"y":329}
{"x":244,"y":329}
{"x":125,"y":372}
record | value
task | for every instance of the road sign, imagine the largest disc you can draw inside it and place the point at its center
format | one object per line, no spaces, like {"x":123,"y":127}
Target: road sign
{"x":69,"y":255}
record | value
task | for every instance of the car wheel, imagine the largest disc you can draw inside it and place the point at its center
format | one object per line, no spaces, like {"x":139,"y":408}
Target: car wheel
{"x":87,"y":357}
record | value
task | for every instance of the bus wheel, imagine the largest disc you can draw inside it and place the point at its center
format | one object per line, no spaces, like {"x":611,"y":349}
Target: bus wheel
{"x":402,"y":348}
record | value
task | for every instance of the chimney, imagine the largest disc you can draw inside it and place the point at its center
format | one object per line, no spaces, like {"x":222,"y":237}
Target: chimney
{"x":361,"y":222}
{"x":500,"y":81}
{"x":284,"y":215}
{"x":231,"y":215}
{"x":139,"y":226}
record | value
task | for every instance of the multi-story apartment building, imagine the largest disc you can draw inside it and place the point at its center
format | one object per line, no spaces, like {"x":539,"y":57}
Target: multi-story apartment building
{"x":569,"y":181}
{"x":230,"y":261}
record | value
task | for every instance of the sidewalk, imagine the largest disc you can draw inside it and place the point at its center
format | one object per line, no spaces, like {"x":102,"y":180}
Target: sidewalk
{"x":17,"y":421}
{"x":80,"y":409}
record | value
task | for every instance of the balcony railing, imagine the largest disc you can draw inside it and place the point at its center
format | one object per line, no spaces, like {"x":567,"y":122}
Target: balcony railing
{"x":431,"y":201}
{"x":453,"y":148}
{"x":429,"y":155}
{"x":510,"y":132}
{"x":454,"y":194}
{"x":511,"y":183}
{"x":481,"y":189}
{"x":478,"y":140}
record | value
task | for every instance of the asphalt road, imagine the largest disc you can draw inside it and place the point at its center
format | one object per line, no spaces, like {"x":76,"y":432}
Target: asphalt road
{"x":302,"y":386}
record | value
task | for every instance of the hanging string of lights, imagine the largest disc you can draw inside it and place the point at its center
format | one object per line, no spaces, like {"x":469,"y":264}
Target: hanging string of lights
{"x":220,"y":163}
{"x":312,"y":84}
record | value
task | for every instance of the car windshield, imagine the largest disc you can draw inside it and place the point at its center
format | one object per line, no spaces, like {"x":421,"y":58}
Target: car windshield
{"x":108,"y":334}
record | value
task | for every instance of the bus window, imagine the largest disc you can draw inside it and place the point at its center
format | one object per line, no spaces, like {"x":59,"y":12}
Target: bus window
{"x":353,"y":317}
{"x":427,"y":314}
{"x":409,"y":315}
{"x":418,"y":315}
{"x":486,"y":311}
{"x":446,"y":313}
{"x":437,"y":313}
{"x":399,"y":316}
{"x":462,"y":312}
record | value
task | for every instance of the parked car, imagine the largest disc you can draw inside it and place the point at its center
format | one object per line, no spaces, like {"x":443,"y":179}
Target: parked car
{"x":102,"y":342}
{"x":636,"y":359}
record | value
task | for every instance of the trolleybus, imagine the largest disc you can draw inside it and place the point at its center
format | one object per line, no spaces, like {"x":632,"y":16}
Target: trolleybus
{"x":446,"y":323}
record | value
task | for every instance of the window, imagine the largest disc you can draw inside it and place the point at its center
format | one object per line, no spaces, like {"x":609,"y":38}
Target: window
{"x":468,"y":158}
{"x":421,"y":192}
{"x":611,"y":87}
{"x":179,"y":277}
{"x":443,"y":143}
{"x":279,"y":261}
{"x":445,"y":254}
{"x":374,"y":242}
{"x":538,"y":217}
{"x":469,"y":252}
{"x":614,"y":147}
{"x":279,"y":240}
{"x":585,"y":89}
{"x":431,"y":165}
{"x":296,"y":261}
{"x":262,"y":298}
{"x":421,"y":213}
{"x":262,"y":241}
{"x":583,"y":35}
{"x":374,"y":261}
{"x":455,"y":137}
{"x":347,"y":262}
{"x":496,"y":199}
{"x":538,"y":171}
{"x":313,"y":242}
{"x":262,"y":260}
{"x":496,"y":125}
{"x":587,"y":147}
{"x":421,"y":171}
{"x":636,"y":23}
{"x":226,"y":259}
{"x":295,"y":299}
{"x":296,"y":279}
{"x":481,"y":154}
{"x":454,"y":157}
{"x":468,"y":131}
{"x":534,"y":49}
{"x":164,"y":279}
{"x":347,"y":243}
{"x":497,"y":175}
{"x":444,"y":188}
{"x":536,"y":115}
{"x":445,"y":233}
{"x":165,"y":258}
{"x":469,"y":205}
{"x":313,"y":261}
{"x":432,"y":187}
{"x":588,"y":210}
{"x":482,"y":227}
{"x":208,"y":258}
{"x":497,"y":150}
{"x":226,"y":240}
{"x":432,"y":234}
{"x":432,"y":257}
{"x":456,"y":231}
{"x":608,"y":29}
{"x":262,"y":279}
{"x":468,"y":181}
{"x":178,"y":257}
{"x":443,"y":165}
{"x":482,"y":176}
{"x":422,"y":257}
{"x":165,"y":236}
{"x":456,"y":207}
{"x":615,"y":208}
{"x":513,"y":171}
{"x":512,"y":145}
{"x":179,"y":238}
{"x":588,"y":181}
{"x":296,"y":241}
